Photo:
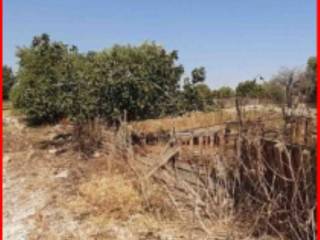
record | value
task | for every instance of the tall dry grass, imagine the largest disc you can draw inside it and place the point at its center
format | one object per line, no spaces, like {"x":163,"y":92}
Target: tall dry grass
{"x":203,"y":119}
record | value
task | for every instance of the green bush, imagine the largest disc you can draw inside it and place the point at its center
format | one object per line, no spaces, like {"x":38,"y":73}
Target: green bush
{"x":142,"y":80}
{"x":274,"y":91}
{"x":8,"y":80}
{"x":249,"y":88}
{"x":223,"y":92}
{"x":195,"y":97}
{"x":40,"y":71}
{"x":311,"y":74}
{"x":56,"y":81}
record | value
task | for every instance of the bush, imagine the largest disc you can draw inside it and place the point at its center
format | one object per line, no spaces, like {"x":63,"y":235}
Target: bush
{"x":196,"y":95}
{"x":274,"y":91}
{"x":8,"y":80}
{"x":56,"y":81}
{"x":37,"y":91}
{"x":311,"y":74}
{"x":223,"y":92}
{"x":16,"y":96}
{"x":142,"y":80}
{"x":249,"y":88}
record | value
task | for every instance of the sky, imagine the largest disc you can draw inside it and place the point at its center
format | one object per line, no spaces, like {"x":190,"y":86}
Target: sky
{"x":234,"y":40}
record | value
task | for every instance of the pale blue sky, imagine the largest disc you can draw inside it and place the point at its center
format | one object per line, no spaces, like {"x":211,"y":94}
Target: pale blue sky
{"x":234,"y":40}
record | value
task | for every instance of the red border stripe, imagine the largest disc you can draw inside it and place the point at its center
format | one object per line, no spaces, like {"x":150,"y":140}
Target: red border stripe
{"x":1,"y":119}
{"x":1,"y":149}
{"x":318,"y":121}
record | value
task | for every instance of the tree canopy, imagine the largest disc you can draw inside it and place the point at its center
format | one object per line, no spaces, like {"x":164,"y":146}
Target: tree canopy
{"x":198,"y":75}
{"x":223,"y":92}
{"x":249,"y":88}
{"x":55,"y":80}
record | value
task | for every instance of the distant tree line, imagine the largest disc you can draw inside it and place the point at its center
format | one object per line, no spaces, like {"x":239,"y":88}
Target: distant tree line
{"x":303,"y":85}
{"x":54,"y":80}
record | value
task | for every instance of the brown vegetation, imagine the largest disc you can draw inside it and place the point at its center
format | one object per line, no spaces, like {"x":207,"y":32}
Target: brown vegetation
{"x":190,"y":187}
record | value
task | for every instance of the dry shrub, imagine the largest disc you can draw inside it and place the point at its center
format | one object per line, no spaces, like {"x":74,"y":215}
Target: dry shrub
{"x":159,"y":204}
{"x":187,"y":121}
{"x":277,"y":181}
{"x":113,"y":205}
{"x":88,"y":136}
{"x":202,"y":119}
{"x":113,"y":195}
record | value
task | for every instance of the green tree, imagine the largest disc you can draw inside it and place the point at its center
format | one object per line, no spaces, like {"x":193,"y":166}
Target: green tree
{"x":198,"y":75}
{"x":190,"y":99}
{"x":204,"y":96}
{"x":142,"y":80}
{"x":196,"y":96}
{"x":312,"y":68}
{"x":40,"y":71}
{"x":311,"y":74}
{"x":249,"y":88}
{"x":8,"y":80}
{"x":274,"y":90}
{"x":223,"y":92}
{"x":55,"y":81}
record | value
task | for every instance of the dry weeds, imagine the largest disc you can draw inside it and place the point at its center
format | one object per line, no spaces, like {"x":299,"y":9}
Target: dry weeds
{"x":202,"y":120}
{"x":52,"y":194}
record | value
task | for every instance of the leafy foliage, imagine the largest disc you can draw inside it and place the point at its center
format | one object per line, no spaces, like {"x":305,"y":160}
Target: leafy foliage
{"x":142,"y":80}
{"x":40,"y":71}
{"x":196,"y":96}
{"x":301,"y":85}
{"x":8,"y":80}
{"x":311,"y":74}
{"x":249,"y":88}
{"x":55,"y":81}
{"x":223,"y":92}
{"x":274,"y":91}
{"x":198,"y":75}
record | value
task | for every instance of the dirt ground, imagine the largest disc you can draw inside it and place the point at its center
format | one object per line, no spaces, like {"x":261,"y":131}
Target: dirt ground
{"x":50,"y":193}
{"x":50,"y":196}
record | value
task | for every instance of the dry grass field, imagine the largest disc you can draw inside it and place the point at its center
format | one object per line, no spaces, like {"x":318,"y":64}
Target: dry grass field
{"x":203,"y":120}
{"x":52,"y":193}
